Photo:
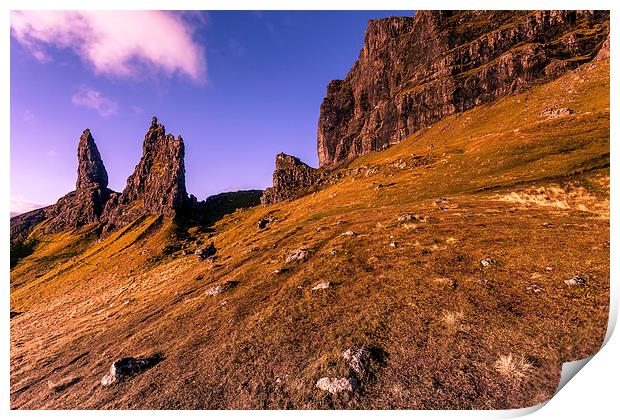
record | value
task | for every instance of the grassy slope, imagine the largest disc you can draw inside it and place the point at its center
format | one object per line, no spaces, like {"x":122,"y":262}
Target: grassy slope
{"x":528,"y":192}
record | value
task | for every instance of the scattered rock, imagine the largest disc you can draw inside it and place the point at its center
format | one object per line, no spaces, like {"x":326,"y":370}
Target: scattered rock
{"x":534,"y":288}
{"x":548,"y":269}
{"x":263,"y":223}
{"x":205,"y":252}
{"x":249,"y":251}
{"x":358,"y":359}
{"x":394,"y":244}
{"x":575,"y":280}
{"x":349,"y":233}
{"x":337,"y":385}
{"x":297,"y":255}
{"x":487,"y":262}
{"x":128,"y":366}
{"x":321,"y":285}
{"x":218,"y":289}
{"x":405,"y":218}
{"x":279,"y":270}
{"x":334,"y":251}
{"x":214,"y":290}
{"x":555,"y":112}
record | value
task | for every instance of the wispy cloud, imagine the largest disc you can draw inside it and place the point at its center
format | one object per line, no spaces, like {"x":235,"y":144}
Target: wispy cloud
{"x":138,"y":110}
{"x":28,"y":116}
{"x":93,"y":99}
{"x":20,"y":205}
{"x":116,"y":43}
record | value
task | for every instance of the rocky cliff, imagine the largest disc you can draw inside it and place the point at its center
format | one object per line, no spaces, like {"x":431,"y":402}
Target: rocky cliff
{"x":157,"y":185}
{"x":84,"y":205}
{"x":413,"y":71}
{"x":291,"y":179}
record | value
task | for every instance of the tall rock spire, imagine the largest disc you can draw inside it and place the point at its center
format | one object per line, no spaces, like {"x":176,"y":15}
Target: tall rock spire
{"x":84,"y":205}
{"x":91,"y":171}
{"x":157,"y":183}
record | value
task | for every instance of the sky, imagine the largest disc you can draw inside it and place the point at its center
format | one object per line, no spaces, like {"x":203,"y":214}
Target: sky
{"x":238,"y":86}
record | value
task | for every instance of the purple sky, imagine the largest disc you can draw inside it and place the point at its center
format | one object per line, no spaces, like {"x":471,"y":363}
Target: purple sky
{"x":239,"y":87}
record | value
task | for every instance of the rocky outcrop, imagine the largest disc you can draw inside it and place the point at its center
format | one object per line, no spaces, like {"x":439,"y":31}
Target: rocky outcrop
{"x":91,"y":171}
{"x":414,"y":71}
{"x":157,"y":185}
{"x":291,"y":179}
{"x":84,"y":205}
{"x":78,"y":208}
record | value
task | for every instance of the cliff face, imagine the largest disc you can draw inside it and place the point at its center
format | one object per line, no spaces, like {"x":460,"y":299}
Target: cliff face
{"x":413,"y":71}
{"x":290,"y":179}
{"x":157,"y":185}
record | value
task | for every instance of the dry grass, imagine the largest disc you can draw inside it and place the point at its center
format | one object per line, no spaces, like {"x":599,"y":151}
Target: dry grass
{"x":562,"y":198}
{"x":511,"y":367}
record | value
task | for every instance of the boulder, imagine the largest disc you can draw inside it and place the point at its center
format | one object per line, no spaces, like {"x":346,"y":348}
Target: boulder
{"x":126,"y":367}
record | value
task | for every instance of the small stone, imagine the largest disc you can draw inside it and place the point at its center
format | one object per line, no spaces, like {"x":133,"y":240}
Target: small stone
{"x":405,"y":217}
{"x":549,"y":269}
{"x":555,"y":113}
{"x":534,"y":288}
{"x":205,"y":252}
{"x":358,"y":359}
{"x":394,"y":244}
{"x":575,"y":280}
{"x":297,"y":255}
{"x":321,"y":285}
{"x":334,"y":251}
{"x":214,"y":290}
{"x":349,"y":233}
{"x":127,"y":366}
{"x":249,"y":251}
{"x":486,"y":262}
{"x":337,"y":385}
{"x":263,"y":223}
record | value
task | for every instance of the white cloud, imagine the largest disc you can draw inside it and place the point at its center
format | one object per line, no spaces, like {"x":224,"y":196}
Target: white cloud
{"x":116,"y":43}
{"x":93,"y":99}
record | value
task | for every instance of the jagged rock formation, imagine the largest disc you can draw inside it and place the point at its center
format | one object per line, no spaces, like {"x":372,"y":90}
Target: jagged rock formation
{"x":157,"y":185}
{"x":91,"y":171}
{"x":291,"y":179}
{"x":80,"y":207}
{"x":413,"y":71}
{"x":84,"y":205}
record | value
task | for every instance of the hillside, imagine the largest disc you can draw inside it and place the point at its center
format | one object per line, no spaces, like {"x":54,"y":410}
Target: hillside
{"x":474,"y":261}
